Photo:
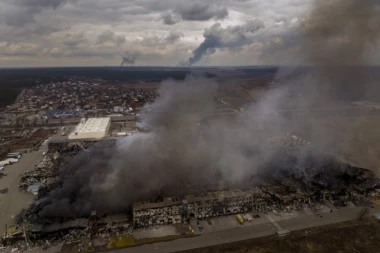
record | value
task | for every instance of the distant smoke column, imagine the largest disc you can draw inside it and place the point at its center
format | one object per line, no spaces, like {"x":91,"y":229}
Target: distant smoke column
{"x":129,"y":58}
{"x":203,"y":48}
{"x":231,"y":37}
{"x":128,"y":61}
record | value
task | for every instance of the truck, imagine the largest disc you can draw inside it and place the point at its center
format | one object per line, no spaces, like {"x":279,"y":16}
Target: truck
{"x":12,"y":160}
{"x":240,"y":219}
{"x":16,"y":155}
{"x":4,"y":163}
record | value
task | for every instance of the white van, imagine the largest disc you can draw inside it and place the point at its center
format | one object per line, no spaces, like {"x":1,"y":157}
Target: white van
{"x":247,"y":217}
{"x":3,"y":163}
{"x":12,"y":160}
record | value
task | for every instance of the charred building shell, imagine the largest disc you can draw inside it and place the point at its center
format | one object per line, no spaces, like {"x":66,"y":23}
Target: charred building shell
{"x":207,"y":205}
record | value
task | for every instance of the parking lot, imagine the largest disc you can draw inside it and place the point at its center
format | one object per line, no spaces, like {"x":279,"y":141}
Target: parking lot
{"x":57,"y":137}
{"x":225,"y":223}
{"x":272,"y":220}
{"x":66,"y":131}
{"x":155,"y":232}
{"x":12,"y":202}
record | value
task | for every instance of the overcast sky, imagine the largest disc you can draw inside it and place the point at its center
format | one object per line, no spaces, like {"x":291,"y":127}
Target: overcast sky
{"x":153,"y":32}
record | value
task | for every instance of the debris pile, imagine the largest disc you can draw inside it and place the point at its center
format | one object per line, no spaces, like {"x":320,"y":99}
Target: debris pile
{"x":42,"y":176}
{"x":92,"y":229}
{"x":287,"y":185}
{"x":285,"y":190}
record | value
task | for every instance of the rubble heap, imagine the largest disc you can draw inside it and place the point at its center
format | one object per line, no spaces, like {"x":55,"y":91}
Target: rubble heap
{"x":94,"y":228}
{"x":43,"y":175}
{"x":287,"y":184}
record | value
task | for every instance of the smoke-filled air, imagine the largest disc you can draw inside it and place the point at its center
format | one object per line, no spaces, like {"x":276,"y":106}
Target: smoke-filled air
{"x":188,"y":149}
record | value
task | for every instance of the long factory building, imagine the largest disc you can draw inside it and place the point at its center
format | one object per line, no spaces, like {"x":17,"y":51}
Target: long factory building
{"x":211,"y":204}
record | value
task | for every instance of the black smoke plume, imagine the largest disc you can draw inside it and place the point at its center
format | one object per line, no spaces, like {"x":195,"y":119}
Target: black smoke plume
{"x":334,"y":51}
{"x":190,"y":150}
{"x":231,"y":37}
{"x":129,"y":58}
{"x":339,"y":37}
{"x":182,"y":155}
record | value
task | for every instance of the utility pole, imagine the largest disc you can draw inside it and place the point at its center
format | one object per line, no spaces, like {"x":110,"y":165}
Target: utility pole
{"x":25,"y":235}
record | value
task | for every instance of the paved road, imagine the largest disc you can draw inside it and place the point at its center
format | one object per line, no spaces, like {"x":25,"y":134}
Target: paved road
{"x":245,"y":233}
{"x":15,"y":200}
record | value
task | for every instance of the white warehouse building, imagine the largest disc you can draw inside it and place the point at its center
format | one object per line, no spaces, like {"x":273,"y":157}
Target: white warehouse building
{"x":92,"y":128}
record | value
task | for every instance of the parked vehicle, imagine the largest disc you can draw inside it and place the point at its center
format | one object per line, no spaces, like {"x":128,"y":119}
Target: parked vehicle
{"x":248,"y":217}
{"x":12,"y":160}
{"x":240,"y":219}
{"x":17,"y":155}
{"x":4,"y":163}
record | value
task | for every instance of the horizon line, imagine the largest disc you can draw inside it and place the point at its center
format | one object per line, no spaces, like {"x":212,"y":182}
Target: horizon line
{"x":181,"y":67}
{"x":142,"y":66}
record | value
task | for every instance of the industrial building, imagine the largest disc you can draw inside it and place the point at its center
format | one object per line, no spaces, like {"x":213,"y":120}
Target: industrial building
{"x":92,"y":128}
{"x":211,"y":204}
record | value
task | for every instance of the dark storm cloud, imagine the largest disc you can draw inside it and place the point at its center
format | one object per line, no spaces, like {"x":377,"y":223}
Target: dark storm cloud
{"x":74,"y":40}
{"x":200,"y":11}
{"x":41,"y":3}
{"x":170,"y":19}
{"x":173,"y":37}
{"x":194,"y":11}
{"x":161,"y":42}
{"x":45,"y":23}
{"x":231,"y":37}
{"x":22,"y":12}
{"x":110,"y":37}
{"x":151,"y":41}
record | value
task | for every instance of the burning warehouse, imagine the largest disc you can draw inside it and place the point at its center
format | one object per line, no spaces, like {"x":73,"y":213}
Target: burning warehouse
{"x":207,"y":205}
